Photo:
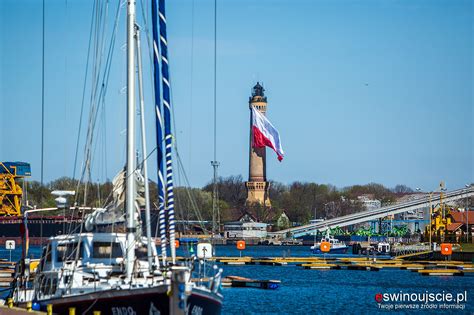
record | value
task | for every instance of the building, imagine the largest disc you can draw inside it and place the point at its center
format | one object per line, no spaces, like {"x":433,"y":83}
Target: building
{"x":246,"y":227}
{"x":462,"y":223}
{"x":369,"y":202}
{"x":257,"y":185}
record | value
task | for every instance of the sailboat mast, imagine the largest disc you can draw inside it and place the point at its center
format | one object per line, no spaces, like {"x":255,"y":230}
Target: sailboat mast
{"x":167,"y":120}
{"x":145,"y":152}
{"x":130,"y":183}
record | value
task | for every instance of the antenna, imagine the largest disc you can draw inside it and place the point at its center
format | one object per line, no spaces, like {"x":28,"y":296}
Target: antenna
{"x":215,"y":164}
{"x":42,"y":111}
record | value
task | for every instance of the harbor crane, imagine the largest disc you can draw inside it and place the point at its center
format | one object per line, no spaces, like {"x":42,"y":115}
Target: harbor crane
{"x":10,"y":189}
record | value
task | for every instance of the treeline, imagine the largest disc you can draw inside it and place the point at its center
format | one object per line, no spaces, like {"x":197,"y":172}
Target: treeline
{"x":301,"y":201}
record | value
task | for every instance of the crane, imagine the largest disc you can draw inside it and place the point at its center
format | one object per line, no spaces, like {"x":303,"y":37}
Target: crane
{"x":10,"y":189}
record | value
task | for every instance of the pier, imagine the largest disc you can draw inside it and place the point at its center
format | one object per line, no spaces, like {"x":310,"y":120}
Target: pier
{"x":5,"y":310}
{"x":422,"y":267}
{"x":241,"y":282}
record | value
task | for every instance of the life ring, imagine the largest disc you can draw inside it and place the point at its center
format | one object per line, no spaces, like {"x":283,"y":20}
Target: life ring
{"x":446,"y":249}
{"x":325,"y":247}
{"x":240,"y":245}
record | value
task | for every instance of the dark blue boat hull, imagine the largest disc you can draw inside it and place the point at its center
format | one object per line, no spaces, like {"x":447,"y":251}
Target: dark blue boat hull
{"x":133,"y":302}
{"x":341,"y":250}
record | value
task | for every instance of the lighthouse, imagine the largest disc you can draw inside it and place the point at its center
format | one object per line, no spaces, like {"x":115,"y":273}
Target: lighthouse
{"x":257,"y":185}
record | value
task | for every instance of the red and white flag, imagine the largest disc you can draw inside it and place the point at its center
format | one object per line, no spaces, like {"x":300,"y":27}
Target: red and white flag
{"x":264,"y":134}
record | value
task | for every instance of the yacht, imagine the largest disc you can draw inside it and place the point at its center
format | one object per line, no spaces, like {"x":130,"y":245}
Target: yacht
{"x":105,"y":264}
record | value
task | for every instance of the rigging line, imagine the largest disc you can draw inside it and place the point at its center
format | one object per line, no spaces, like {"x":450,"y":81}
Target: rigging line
{"x":193,"y":202}
{"x":42,"y":108}
{"x":148,"y":41}
{"x":93,"y":100}
{"x":99,"y":41}
{"x":66,"y":81}
{"x":180,"y":203}
{"x":83,"y":95}
{"x":177,"y":198}
{"x":104,"y":124}
{"x":215,"y":80}
{"x":100,"y":101}
{"x":191,"y":87}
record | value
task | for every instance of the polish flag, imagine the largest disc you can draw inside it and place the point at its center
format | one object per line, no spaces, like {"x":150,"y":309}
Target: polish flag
{"x":264,"y":134}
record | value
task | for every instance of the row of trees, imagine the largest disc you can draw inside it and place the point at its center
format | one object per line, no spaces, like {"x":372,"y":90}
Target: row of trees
{"x":301,"y":201}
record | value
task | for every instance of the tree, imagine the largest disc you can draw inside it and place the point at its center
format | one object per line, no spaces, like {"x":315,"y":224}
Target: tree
{"x":231,"y":189}
{"x":302,"y":200}
{"x":275,"y":193}
{"x":377,"y":190}
{"x":402,"y":189}
{"x":258,"y":210}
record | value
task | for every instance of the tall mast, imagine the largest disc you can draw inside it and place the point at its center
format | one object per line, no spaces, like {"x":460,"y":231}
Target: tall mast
{"x":130,"y":192}
{"x":165,"y":83}
{"x":159,"y":130}
{"x":144,"y":151}
{"x":42,"y":113}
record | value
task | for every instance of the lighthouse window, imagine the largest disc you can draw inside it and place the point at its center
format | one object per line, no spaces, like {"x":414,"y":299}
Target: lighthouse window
{"x":106,"y":250}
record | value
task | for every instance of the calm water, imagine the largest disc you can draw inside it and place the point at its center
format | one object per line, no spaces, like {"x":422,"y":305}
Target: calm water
{"x":329,"y":291}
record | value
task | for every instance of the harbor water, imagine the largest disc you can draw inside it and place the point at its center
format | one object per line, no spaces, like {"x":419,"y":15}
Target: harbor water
{"x":305,"y":291}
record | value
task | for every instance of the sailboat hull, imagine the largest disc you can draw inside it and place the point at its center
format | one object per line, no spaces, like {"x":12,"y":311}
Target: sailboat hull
{"x":202,"y":302}
{"x":147,"y":301}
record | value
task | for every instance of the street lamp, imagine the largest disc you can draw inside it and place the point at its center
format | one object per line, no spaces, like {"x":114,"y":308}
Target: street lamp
{"x":467,"y":217}
{"x":430,"y":211}
{"x":431,"y":218}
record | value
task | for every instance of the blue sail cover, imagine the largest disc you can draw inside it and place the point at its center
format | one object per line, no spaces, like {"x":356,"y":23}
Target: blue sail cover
{"x":167,"y":122}
{"x":159,"y":131}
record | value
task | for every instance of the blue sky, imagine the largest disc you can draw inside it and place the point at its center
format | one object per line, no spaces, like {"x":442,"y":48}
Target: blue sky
{"x":361,"y":91}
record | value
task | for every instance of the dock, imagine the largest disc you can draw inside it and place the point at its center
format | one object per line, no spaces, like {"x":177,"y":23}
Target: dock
{"x":320,"y":266}
{"x":4,"y":310}
{"x":422,"y":267}
{"x":241,"y":282}
{"x":7,"y":272}
{"x":441,"y":272}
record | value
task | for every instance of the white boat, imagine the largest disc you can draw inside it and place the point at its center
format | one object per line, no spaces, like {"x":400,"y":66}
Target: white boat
{"x":97,"y":269}
{"x":383,"y":248}
{"x":336,"y":246}
{"x":87,"y":271}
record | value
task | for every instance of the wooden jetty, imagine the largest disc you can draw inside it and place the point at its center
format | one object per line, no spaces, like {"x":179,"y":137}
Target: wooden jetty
{"x":4,"y":310}
{"x":7,"y":272}
{"x":320,"y":266}
{"x":355,"y":263}
{"x":368,"y":267}
{"x":241,"y":282}
{"x":441,"y":272}
{"x":9,"y":309}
